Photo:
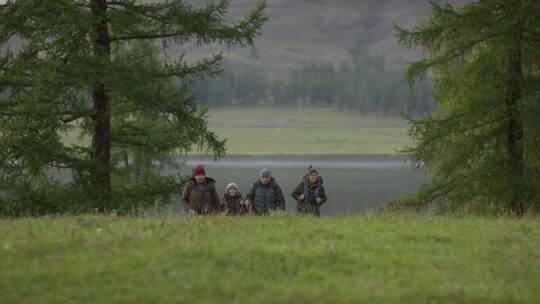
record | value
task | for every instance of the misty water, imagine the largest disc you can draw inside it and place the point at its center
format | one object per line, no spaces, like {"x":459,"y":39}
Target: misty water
{"x":353,"y":183}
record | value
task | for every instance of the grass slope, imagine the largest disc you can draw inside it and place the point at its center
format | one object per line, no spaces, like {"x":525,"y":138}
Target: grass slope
{"x":276,"y":259}
{"x":306,"y":131}
{"x":295,"y":131}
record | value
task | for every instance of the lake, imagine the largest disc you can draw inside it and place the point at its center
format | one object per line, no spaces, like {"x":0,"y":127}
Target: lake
{"x":353,"y":183}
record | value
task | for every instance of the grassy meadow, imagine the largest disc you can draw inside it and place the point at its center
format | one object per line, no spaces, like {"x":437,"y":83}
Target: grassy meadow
{"x":295,"y":131}
{"x":275,"y":259}
{"x":279,"y":131}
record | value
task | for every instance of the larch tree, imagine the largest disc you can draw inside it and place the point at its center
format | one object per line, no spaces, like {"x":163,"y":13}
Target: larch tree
{"x":91,"y":105}
{"x":482,"y":145}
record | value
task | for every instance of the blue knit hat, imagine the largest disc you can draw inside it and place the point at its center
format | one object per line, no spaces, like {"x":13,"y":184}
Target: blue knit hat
{"x":265,"y":173}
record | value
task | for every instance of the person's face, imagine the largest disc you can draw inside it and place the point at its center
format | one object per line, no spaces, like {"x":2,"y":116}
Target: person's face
{"x":199,"y":178}
{"x":232,"y":191}
{"x":265,"y":180}
{"x":313,"y":178}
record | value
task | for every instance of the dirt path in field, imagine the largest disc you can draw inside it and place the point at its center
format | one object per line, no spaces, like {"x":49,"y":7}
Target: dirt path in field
{"x":347,"y":162}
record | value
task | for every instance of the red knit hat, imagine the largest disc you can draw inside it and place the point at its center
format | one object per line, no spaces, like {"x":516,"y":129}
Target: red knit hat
{"x":199,"y":170}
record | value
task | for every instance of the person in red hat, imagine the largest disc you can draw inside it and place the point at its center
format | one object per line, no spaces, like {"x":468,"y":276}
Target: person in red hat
{"x":199,"y":195}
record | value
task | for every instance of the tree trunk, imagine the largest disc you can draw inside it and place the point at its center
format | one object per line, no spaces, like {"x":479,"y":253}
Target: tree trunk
{"x":101,"y":137}
{"x":514,"y":131}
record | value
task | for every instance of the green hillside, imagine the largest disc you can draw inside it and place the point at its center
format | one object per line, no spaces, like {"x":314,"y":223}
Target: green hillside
{"x":276,"y":259}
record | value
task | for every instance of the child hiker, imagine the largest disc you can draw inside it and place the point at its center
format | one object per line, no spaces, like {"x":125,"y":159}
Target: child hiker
{"x":232,"y":202}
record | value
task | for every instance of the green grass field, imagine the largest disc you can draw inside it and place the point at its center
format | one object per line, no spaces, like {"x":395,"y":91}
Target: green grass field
{"x":294,"y":131}
{"x":276,"y":259}
{"x":306,"y":131}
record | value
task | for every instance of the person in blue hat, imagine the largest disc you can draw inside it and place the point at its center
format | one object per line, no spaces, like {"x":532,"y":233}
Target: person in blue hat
{"x":265,"y":195}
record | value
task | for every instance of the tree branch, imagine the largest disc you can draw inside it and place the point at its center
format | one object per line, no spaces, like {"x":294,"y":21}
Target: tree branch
{"x":145,"y":36}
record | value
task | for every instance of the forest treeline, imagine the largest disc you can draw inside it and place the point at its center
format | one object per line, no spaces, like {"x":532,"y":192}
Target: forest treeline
{"x":365,"y":85}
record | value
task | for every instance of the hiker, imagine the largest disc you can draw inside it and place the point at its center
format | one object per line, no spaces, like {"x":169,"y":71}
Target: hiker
{"x":232,"y":202}
{"x":265,"y":195}
{"x":309,"y":193}
{"x":199,"y":195}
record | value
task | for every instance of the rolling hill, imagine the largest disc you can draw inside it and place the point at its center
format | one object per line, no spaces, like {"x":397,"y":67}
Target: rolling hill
{"x":307,"y":31}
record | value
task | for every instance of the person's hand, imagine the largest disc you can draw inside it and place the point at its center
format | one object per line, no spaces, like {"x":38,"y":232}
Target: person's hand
{"x":318,"y":200}
{"x":302,"y":197}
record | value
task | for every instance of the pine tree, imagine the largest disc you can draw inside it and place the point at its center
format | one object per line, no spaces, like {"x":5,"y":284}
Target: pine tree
{"x":99,"y":69}
{"x":481,"y":147}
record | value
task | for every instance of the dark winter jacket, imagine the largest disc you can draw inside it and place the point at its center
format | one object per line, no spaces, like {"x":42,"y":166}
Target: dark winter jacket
{"x":267,"y":197}
{"x":201,"y":198}
{"x":233,"y":204}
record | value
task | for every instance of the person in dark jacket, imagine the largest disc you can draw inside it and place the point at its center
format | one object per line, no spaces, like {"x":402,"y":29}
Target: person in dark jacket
{"x":309,"y":193}
{"x":232,"y":202}
{"x":265,"y":194}
{"x":199,"y":195}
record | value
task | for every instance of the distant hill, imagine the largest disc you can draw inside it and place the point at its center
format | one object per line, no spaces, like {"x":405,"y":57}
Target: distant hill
{"x":311,"y":31}
{"x":314,"y":31}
